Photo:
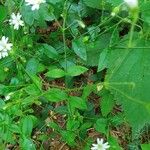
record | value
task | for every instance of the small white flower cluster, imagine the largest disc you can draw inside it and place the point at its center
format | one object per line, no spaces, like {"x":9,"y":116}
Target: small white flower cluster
{"x":16,"y":22}
{"x":35,"y":4}
{"x":100,"y":145}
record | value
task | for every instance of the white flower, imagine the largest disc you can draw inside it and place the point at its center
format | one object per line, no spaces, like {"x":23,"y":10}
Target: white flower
{"x":16,"y":21}
{"x":113,"y":14}
{"x":9,"y":96}
{"x":34,"y":3}
{"x":132,"y":3}
{"x":100,"y":145}
{"x":4,"y":47}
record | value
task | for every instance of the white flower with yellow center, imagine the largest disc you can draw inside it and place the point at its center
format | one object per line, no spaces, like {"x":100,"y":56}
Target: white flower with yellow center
{"x":35,"y":4}
{"x":4,"y":47}
{"x":100,"y":145}
{"x":132,"y":3}
{"x":16,"y":21}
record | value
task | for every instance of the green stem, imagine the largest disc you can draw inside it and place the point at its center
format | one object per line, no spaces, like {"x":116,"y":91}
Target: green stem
{"x":135,"y":14}
{"x":64,"y":34}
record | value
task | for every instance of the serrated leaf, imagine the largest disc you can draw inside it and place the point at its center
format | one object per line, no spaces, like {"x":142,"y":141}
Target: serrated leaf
{"x":77,"y":102}
{"x":76,"y":70}
{"x":55,"y":73}
{"x":128,"y":79}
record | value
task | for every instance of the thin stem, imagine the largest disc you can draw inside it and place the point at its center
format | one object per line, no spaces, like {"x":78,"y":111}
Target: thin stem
{"x":63,"y":33}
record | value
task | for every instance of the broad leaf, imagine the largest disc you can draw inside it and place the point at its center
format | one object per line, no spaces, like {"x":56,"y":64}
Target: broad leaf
{"x":128,"y":79}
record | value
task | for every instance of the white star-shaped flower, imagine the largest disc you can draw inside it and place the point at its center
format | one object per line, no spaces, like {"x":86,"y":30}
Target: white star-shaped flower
{"x":35,"y":4}
{"x":100,"y":145}
{"x":16,"y":21}
{"x":4,"y":47}
{"x":132,"y":3}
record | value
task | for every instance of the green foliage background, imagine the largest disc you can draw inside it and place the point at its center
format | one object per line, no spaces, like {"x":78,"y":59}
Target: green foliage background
{"x":87,"y":37}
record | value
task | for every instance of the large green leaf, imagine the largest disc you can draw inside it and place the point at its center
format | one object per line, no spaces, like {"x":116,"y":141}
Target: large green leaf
{"x":128,"y":79}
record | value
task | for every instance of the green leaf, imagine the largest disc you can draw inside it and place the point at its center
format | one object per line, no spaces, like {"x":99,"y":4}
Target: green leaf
{"x":32,"y":66}
{"x":80,"y":48}
{"x":145,"y":11}
{"x":114,"y":2}
{"x":50,"y":51}
{"x":3,"y":13}
{"x":27,"y":144}
{"x":32,"y":90}
{"x":55,"y":95}
{"x":54,"y":1}
{"x":77,"y":102}
{"x":113,"y":142}
{"x":28,"y":15}
{"x":55,"y":73}
{"x":36,"y":80}
{"x":76,"y":70}
{"x":54,"y":126}
{"x":26,"y":126}
{"x":69,"y":137}
{"x":93,"y":4}
{"x":72,"y":125}
{"x":101,"y":126}
{"x":107,"y":103}
{"x":94,"y":49}
{"x":145,"y":146}
{"x":103,"y":61}
{"x":128,"y":79}
{"x":87,"y":91}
